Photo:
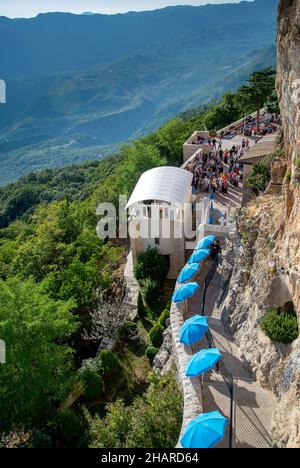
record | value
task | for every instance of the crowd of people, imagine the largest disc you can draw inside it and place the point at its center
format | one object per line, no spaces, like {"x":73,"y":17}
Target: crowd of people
{"x":214,"y":171}
{"x":268,"y":123}
{"x":213,"y":168}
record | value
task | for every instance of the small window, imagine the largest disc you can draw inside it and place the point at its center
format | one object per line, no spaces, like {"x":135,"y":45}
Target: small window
{"x":156,"y":241}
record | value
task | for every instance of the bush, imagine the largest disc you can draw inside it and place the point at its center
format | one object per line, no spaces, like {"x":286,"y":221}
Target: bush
{"x":151,"y":352}
{"x":281,"y":327}
{"x":128,"y":331}
{"x":259,"y":177}
{"x":151,"y":264}
{"x":140,"y":306}
{"x":164,"y":317}
{"x":156,"y":335}
{"x":69,"y":426}
{"x":153,"y":420}
{"x":149,"y":290}
{"x":93,"y":383}
{"x":108,"y":361}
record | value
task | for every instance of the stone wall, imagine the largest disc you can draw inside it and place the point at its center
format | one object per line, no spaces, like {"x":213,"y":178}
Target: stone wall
{"x":191,"y":388}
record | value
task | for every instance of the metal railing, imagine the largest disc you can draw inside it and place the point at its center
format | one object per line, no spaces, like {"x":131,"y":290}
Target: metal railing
{"x":221,"y":368}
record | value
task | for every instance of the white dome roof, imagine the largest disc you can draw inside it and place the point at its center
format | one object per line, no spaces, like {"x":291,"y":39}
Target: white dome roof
{"x":166,"y":184}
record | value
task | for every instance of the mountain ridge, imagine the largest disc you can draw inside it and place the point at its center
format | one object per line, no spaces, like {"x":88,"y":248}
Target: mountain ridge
{"x":73,"y":116}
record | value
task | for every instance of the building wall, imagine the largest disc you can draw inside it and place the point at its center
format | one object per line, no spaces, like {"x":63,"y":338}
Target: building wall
{"x":171,"y":246}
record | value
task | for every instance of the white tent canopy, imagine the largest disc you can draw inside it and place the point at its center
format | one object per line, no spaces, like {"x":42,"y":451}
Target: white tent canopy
{"x":166,"y":184}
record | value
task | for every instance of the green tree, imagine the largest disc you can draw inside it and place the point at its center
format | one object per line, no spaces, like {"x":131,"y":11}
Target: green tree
{"x":151,"y":264}
{"x":138,"y":158}
{"x":223,"y":113}
{"x":272,"y":104}
{"x":39,"y":368}
{"x":169,"y":138}
{"x":152,"y":421}
{"x":260,"y":86}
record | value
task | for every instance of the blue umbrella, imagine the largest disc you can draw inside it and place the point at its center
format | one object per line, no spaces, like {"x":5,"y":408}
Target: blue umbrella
{"x":206,"y":242}
{"x":205,"y":431}
{"x":184,"y":292}
{"x":193,"y":330}
{"x":202,"y":362}
{"x":188,"y":272}
{"x":198,"y":256}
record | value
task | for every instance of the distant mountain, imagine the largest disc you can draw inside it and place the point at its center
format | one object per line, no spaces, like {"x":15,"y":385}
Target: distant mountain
{"x":81,"y":84}
{"x":58,"y":42}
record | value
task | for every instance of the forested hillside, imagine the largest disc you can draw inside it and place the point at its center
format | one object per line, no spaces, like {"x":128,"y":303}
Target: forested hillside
{"x":78,"y":86}
{"x":60,"y":295}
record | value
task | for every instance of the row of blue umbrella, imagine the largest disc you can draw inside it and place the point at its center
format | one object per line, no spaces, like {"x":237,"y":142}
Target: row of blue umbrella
{"x":208,"y":429}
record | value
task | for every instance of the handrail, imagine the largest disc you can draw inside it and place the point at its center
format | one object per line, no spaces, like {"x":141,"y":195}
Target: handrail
{"x":221,"y":368}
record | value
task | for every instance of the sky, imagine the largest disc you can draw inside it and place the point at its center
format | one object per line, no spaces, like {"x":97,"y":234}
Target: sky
{"x":29,"y":8}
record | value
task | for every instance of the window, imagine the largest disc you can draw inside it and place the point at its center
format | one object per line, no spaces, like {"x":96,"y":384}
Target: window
{"x":156,"y":241}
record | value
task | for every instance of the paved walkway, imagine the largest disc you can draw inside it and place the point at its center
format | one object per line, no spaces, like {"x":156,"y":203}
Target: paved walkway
{"x":254,"y":406}
{"x":234,"y":196}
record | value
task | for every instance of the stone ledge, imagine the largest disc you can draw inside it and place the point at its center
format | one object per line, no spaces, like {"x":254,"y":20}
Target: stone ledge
{"x":190,"y":388}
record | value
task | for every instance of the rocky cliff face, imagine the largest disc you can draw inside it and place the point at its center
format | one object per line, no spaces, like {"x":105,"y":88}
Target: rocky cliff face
{"x":263,"y":258}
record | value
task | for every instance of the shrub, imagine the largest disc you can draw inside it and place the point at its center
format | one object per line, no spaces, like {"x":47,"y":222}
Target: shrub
{"x":151,"y":352}
{"x":298,"y":163}
{"x":152,"y":420}
{"x":163,"y":317}
{"x":259,"y":177}
{"x":149,"y":290}
{"x":108,"y":361}
{"x":281,"y":327}
{"x":156,"y":335}
{"x":93,"y":383}
{"x":128,"y":331}
{"x":151,"y":264}
{"x":69,"y":426}
{"x":140,"y":306}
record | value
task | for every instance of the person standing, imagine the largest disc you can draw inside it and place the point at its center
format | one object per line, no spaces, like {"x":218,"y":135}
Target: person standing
{"x":215,"y":249}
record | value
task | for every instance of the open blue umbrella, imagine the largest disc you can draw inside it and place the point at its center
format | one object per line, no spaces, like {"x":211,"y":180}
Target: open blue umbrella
{"x":202,"y":362}
{"x":205,"y":431}
{"x":184,"y":292}
{"x":193,"y":330}
{"x":198,"y":256}
{"x":188,"y":272}
{"x":206,"y":242}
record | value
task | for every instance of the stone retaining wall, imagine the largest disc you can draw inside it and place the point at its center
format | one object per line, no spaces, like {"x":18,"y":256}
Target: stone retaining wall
{"x":191,"y":388}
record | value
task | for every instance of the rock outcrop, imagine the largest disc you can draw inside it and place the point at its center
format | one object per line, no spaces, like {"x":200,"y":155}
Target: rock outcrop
{"x":263,"y":259}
